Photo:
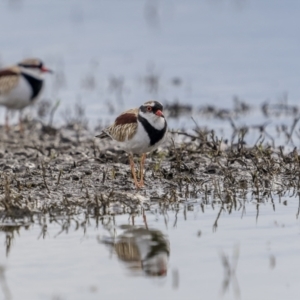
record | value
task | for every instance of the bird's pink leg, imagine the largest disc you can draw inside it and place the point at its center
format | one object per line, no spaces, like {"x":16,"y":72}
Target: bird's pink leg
{"x":133,"y":171}
{"x":143,"y":158}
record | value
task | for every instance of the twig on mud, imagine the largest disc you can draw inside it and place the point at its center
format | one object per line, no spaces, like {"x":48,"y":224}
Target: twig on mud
{"x":34,"y":148}
{"x":176,"y":155}
{"x":197,"y":126}
{"x":44,"y":177}
{"x":296,"y":120}
{"x":7,"y":199}
{"x":59,"y":175}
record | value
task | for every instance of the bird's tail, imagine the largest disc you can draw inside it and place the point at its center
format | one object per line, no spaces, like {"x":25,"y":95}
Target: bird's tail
{"x":102,"y":135}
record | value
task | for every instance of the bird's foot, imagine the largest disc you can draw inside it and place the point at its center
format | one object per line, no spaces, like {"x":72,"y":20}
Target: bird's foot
{"x":139,"y":185}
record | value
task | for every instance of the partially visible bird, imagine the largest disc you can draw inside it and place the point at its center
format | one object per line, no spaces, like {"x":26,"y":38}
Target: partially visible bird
{"x":138,"y":131}
{"x":21,"y":85}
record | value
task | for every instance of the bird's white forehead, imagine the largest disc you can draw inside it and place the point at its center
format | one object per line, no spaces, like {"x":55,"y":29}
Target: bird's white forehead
{"x":149,"y":103}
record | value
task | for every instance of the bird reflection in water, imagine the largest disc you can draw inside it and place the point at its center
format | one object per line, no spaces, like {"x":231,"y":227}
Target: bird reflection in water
{"x":142,"y":249}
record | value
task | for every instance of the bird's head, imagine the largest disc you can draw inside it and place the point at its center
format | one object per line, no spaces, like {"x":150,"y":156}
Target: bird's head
{"x":34,"y":65}
{"x":152,"y":111}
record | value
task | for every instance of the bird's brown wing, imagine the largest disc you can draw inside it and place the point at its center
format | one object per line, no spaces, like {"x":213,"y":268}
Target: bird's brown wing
{"x":8,"y":80}
{"x":124,"y":127}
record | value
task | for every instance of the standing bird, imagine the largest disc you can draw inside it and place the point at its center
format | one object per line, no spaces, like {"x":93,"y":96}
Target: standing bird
{"x":138,"y":131}
{"x":20,"y":85}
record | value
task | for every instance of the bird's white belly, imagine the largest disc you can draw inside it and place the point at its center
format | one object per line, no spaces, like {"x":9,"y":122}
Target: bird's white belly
{"x":18,"y":97}
{"x":140,"y":143}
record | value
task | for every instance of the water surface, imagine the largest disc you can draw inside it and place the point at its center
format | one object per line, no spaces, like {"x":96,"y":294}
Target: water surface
{"x":76,"y":259}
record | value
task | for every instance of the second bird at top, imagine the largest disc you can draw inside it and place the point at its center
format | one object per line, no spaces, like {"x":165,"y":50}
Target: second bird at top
{"x":20,"y":85}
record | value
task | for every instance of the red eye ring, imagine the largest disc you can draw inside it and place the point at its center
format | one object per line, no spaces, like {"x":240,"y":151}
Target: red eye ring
{"x":149,"y":108}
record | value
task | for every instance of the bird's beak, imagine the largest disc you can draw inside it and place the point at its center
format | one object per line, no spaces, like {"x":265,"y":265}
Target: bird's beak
{"x":46,"y":70}
{"x":159,"y":113}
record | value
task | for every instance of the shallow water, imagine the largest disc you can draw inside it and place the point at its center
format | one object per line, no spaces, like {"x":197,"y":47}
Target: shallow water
{"x":78,"y":261}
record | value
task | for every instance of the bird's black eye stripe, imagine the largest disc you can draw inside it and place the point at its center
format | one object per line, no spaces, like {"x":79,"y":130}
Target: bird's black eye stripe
{"x":146,"y":107}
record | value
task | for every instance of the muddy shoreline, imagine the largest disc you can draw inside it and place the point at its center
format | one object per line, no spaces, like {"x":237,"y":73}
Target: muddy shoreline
{"x":66,"y":170}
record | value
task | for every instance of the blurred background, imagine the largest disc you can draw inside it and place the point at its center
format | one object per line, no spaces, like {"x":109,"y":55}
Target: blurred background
{"x":113,"y":55}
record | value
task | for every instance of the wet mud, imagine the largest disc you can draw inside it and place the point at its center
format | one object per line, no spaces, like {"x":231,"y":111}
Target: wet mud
{"x":67,"y":170}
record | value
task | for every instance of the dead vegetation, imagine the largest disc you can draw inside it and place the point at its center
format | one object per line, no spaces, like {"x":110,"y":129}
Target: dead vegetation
{"x":65,"y":171}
